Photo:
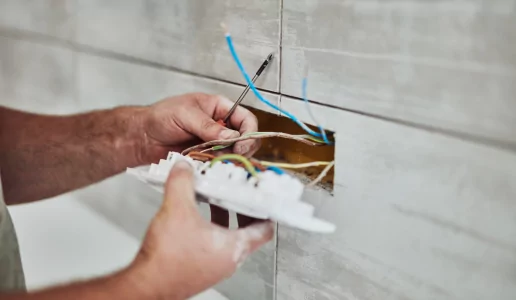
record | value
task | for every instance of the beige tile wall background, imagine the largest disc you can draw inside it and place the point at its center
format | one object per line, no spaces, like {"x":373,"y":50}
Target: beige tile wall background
{"x":421,"y":94}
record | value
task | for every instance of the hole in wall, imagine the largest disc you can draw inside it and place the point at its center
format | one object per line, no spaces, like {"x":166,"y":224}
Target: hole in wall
{"x":290,"y":151}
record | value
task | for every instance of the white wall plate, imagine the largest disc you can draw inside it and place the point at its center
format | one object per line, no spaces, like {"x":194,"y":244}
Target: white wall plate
{"x":266,"y":196}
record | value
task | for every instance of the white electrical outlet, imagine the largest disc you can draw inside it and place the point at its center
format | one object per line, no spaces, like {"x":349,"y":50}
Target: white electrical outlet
{"x":266,"y":196}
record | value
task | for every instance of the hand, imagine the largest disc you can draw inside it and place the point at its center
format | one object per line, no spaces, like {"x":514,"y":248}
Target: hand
{"x":183,"y":254}
{"x":178,"y":122}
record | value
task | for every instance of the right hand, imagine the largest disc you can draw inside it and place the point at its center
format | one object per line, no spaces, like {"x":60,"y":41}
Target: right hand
{"x":183,"y":254}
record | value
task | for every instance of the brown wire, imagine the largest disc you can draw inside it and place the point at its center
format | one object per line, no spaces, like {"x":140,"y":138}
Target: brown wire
{"x":199,"y":154}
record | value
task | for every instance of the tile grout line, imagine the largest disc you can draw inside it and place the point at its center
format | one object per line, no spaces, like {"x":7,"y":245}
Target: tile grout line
{"x":80,"y":48}
{"x":280,"y":71}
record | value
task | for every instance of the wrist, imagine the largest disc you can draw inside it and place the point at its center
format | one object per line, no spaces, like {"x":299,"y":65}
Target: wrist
{"x":130,"y":139}
{"x":136,"y":284}
{"x":148,"y":281}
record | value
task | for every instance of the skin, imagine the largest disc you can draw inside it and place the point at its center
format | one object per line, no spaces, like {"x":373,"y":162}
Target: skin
{"x":182,"y":254}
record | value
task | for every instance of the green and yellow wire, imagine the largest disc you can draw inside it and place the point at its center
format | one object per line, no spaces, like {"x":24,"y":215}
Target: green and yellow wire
{"x":247,"y":164}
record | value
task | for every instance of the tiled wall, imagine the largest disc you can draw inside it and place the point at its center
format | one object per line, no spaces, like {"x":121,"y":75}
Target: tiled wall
{"x":420,"y":93}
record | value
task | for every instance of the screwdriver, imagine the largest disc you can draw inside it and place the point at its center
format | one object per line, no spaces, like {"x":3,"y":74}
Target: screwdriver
{"x":225,"y":120}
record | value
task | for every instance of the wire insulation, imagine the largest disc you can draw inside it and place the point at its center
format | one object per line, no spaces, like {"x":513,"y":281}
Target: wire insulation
{"x":247,"y":164}
{"x":262,"y":135}
{"x":310,"y":112}
{"x":321,"y":176}
{"x":295,"y":166}
{"x":256,"y":92}
{"x":276,"y":170}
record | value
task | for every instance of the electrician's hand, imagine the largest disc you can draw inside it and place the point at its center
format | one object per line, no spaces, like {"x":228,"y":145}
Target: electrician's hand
{"x":176,"y":123}
{"x":182,"y":254}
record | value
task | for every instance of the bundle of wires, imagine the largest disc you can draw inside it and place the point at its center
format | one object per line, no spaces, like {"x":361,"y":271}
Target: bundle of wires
{"x":217,"y":145}
{"x":267,"y":102}
{"x":254,"y":166}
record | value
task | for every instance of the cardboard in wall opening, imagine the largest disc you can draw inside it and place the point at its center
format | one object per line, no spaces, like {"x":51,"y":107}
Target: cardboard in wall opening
{"x":290,"y":151}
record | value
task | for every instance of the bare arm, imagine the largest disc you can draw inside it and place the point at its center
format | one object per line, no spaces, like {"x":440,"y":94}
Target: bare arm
{"x":119,"y":286}
{"x":181,"y":255}
{"x":44,"y":156}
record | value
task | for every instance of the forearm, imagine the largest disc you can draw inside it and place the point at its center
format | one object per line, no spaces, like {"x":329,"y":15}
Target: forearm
{"x":44,"y":156}
{"x":123,"y":285}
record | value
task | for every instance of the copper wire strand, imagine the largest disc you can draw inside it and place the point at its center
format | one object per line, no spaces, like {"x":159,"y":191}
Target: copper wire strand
{"x":200,"y":154}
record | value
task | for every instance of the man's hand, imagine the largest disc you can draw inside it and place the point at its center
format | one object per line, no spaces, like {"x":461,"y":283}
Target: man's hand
{"x":179,"y":122}
{"x":183,"y":254}
{"x":182,"y":121}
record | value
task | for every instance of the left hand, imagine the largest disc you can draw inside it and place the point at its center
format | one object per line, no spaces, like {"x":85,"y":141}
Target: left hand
{"x":182,"y":254}
{"x":176,"y":123}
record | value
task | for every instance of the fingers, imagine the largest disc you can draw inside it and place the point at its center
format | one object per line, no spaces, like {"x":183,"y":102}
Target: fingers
{"x":249,"y":239}
{"x":242,"y":120}
{"x":246,"y":123}
{"x":199,"y":120}
{"x":179,"y":191}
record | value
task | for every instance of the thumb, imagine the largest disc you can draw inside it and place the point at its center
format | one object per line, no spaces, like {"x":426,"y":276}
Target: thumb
{"x":203,"y":126}
{"x":179,"y":191}
{"x":249,"y":239}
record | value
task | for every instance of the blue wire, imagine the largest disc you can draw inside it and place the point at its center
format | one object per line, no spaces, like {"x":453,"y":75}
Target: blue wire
{"x":259,"y":96}
{"x":276,"y":170}
{"x":305,"y":98}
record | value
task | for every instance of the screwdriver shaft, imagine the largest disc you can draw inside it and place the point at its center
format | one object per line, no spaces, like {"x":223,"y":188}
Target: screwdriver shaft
{"x":247,"y":88}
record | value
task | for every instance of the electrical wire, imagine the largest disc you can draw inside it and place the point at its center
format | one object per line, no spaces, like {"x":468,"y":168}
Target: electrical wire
{"x":310,"y":112}
{"x":295,"y":166}
{"x":247,"y":164}
{"x":321,"y":176}
{"x":276,"y":170}
{"x":200,"y":154}
{"x":262,"y":135}
{"x":256,"y":92}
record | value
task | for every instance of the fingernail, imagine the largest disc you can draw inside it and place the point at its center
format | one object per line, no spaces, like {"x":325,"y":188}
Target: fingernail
{"x":228,"y":134}
{"x":182,"y":165}
{"x":259,"y":231}
{"x":242,"y":149}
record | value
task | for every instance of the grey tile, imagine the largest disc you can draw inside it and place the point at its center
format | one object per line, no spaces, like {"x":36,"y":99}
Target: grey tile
{"x":254,"y":279}
{"x":419,"y":215}
{"x":442,"y":64}
{"x":124,"y":201}
{"x":36,"y":77}
{"x":51,"y":17}
{"x":104,"y":82}
{"x":186,"y":34}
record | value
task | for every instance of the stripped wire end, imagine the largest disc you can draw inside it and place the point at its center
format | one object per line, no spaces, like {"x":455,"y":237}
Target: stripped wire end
{"x":225,"y":28}
{"x":309,"y":109}
{"x":322,"y":175}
